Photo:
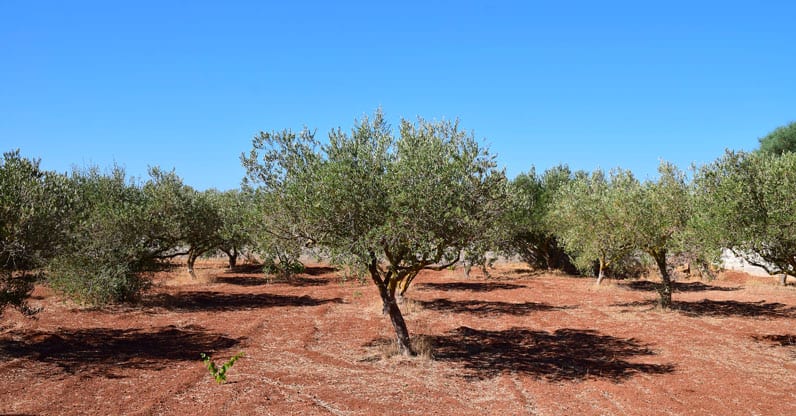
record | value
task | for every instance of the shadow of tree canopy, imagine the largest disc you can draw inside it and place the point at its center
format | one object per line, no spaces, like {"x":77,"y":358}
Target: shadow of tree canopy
{"x":647,"y":286}
{"x":297,"y":281}
{"x":300,"y":281}
{"x":319,"y":270}
{"x":786,"y":340}
{"x":98,"y":351}
{"x":485,"y":308}
{"x":241,"y":281}
{"x":724,"y":308}
{"x":218,"y":301}
{"x":256,"y":269}
{"x":564,"y":355}
{"x":470,"y":286}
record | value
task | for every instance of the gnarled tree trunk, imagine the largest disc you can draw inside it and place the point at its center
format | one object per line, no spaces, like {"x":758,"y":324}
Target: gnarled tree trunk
{"x":192,"y":256}
{"x":390,"y":308}
{"x":232,"y":256}
{"x":665,"y":289}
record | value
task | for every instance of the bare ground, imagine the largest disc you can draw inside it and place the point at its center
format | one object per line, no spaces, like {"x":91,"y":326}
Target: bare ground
{"x":515,"y":344}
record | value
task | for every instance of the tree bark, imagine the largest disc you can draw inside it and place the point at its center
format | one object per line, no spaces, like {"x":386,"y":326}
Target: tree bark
{"x":390,"y":307}
{"x":665,"y":289}
{"x":783,"y":280}
{"x":232,"y":255}
{"x":399,"y":325}
{"x":192,"y":255}
{"x":601,"y":274}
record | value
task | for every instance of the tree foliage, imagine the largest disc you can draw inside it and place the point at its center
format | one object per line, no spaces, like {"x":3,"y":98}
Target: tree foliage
{"x":33,"y":207}
{"x":746,"y":204}
{"x":236,"y":210}
{"x":277,"y":238}
{"x":107,"y":253}
{"x":592,"y":217}
{"x":184,"y":222}
{"x":528,"y":231}
{"x":391,"y":205}
{"x":779,"y":141}
{"x":660,"y":216}
{"x":121,"y":231}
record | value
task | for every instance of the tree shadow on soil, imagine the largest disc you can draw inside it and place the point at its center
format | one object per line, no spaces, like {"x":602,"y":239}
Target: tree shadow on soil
{"x":564,"y":355}
{"x":100,"y":351}
{"x":319,"y":270}
{"x":218,"y":301}
{"x":256,"y":269}
{"x":470,"y":286}
{"x":724,"y":308}
{"x":786,"y":340}
{"x":241,"y":281}
{"x":647,"y":286}
{"x":253,"y":275}
{"x":297,"y":281}
{"x":486,"y":308}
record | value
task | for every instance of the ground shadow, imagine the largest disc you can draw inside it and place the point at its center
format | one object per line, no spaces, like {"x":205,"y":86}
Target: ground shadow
{"x":486,"y":308}
{"x":724,"y":308}
{"x":647,"y":286}
{"x":241,"y":281}
{"x":218,"y":301}
{"x":247,"y":269}
{"x":786,"y":340}
{"x":300,"y":281}
{"x":564,"y":355}
{"x":98,"y":351}
{"x":297,"y":281}
{"x":319,"y":270}
{"x":470,"y":286}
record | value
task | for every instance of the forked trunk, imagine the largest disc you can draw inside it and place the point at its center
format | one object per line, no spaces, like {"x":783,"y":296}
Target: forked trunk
{"x":665,"y":289}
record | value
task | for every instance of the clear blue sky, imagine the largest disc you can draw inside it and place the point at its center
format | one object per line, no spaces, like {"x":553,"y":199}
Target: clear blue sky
{"x":186,"y":85}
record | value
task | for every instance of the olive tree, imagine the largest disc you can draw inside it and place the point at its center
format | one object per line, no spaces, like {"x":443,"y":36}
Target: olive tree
{"x":660,"y":215}
{"x":779,"y":141}
{"x":275,"y":233}
{"x":390,"y":205}
{"x":746,"y":204}
{"x":184,"y":221}
{"x":108,"y":254}
{"x":34,"y":210}
{"x":236,"y":210}
{"x":528,"y":231}
{"x":121,"y":231}
{"x":591,"y":215}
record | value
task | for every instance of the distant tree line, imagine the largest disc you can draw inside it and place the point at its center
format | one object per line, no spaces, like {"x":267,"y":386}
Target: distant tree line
{"x":388,"y":204}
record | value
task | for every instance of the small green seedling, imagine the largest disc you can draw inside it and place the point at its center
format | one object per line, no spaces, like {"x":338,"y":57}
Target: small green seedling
{"x":219,"y":373}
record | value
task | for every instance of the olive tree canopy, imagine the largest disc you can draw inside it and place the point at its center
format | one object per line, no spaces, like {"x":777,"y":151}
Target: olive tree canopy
{"x":779,"y":141}
{"x":393,"y":205}
{"x":592,"y":217}
{"x":746,"y":204}
{"x":34,"y":222}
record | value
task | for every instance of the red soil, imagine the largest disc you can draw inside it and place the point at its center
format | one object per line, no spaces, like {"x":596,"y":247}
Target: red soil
{"x":513,"y":344}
